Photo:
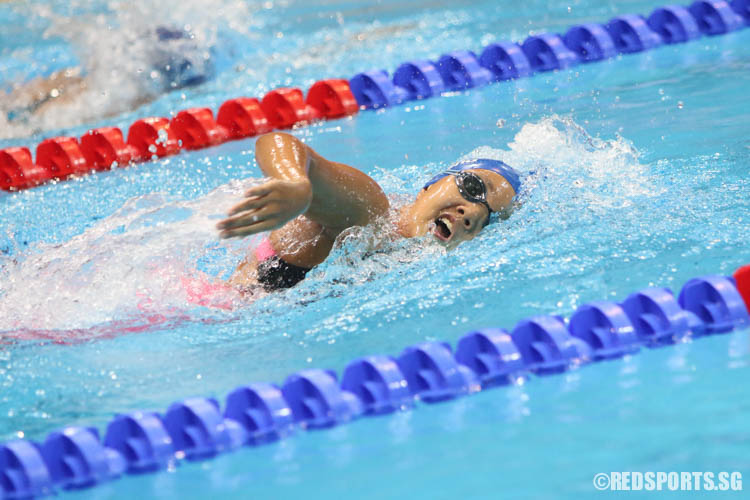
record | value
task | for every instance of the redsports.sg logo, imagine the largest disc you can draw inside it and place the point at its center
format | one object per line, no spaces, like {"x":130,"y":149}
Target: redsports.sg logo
{"x":672,"y":481}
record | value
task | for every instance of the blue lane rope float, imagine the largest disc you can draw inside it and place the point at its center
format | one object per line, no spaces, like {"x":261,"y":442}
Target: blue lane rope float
{"x":196,"y":429}
{"x":505,"y":60}
{"x":674,"y":23}
{"x":421,"y":79}
{"x":142,"y":438}
{"x":317,"y":400}
{"x":547,"y":52}
{"x":76,"y":458}
{"x":199,"y":430}
{"x":461,"y":70}
{"x":590,"y":42}
{"x":715,"y":17}
{"x":656,"y":316}
{"x":606,"y":328}
{"x":631,"y":34}
{"x":491,"y":354}
{"x":373,"y":89}
{"x":583,"y":43}
{"x":546,"y":345}
{"x":433,"y":374}
{"x":262,"y":410}
{"x":378,"y":382}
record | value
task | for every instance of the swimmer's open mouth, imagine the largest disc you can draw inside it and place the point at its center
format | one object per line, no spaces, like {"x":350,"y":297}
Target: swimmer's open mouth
{"x":443,"y":227}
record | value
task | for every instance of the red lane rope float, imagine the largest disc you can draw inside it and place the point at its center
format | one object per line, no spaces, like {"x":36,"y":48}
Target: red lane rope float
{"x":197,"y":129}
{"x":153,"y":137}
{"x":332,"y":98}
{"x":742,"y":278}
{"x":243,"y":117}
{"x":286,"y":107}
{"x":156,"y":137}
{"x":11,"y":173}
{"x":62,"y":157}
{"x":103,"y":147}
{"x":17,"y":171}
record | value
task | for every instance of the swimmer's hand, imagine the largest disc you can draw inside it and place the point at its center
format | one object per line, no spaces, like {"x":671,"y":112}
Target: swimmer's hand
{"x":267,"y":207}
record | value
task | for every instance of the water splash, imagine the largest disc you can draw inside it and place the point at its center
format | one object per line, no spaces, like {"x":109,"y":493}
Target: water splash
{"x":157,"y":255}
{"x":151,"y":261}
{"x":579,"y":191}
{"x":127,"y":58}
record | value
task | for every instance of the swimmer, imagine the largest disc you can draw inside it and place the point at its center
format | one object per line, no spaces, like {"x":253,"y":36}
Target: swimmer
{"x":171,"y":58}
{"x":309,"y":200}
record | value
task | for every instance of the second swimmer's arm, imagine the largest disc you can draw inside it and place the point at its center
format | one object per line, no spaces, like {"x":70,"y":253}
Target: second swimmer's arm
{"x":334,"y":195}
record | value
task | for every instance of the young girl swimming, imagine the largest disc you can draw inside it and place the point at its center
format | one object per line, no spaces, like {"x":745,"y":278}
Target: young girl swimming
{"x":310,"y":200}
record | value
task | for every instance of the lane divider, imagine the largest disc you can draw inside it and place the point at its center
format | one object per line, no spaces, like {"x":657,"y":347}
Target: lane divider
{"x":60,"y":158}
{"x":429,"y":372}
{"x":549,"y":51}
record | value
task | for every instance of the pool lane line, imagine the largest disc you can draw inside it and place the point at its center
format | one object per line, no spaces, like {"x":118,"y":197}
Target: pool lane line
{"x":197,"y":429}
{"x":60,"y":158}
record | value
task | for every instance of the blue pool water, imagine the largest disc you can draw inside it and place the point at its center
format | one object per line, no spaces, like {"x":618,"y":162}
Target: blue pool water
{"x":636,"y":172}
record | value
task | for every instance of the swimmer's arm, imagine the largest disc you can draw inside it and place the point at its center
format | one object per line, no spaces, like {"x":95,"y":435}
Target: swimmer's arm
{"x":40,"y":93}
{"x":334,"y":195}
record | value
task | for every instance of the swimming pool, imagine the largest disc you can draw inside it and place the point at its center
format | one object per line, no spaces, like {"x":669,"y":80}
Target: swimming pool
{"x":639,"y":168}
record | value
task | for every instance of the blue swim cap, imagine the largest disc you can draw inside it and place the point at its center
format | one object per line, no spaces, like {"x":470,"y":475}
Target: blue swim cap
{"x":508,"y":173}
{"x":179,"y":59}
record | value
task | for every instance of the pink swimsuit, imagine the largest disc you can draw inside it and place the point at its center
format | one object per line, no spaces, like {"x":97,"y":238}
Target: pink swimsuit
{"x":265,"y":250}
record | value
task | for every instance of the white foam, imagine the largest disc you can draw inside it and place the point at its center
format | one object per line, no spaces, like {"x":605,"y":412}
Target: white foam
{"x":129,"y":264}
{"x":115,"y":48}
{"x":561,"y":151}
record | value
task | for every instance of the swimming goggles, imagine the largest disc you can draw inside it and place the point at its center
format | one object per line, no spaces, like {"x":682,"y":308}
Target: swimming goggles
{"x":472,"y":188}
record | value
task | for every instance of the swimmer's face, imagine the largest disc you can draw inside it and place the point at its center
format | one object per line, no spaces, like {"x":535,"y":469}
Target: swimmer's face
{"x":441,"y":211}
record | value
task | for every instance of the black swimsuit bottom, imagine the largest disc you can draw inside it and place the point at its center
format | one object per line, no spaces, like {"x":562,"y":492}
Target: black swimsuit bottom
{"x":275,"y":273}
